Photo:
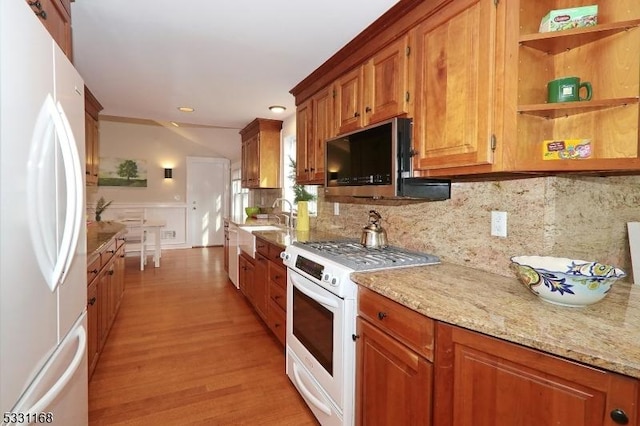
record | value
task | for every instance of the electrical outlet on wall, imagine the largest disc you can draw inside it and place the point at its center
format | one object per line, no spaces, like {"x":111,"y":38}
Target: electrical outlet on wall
{"x":336,"y":209}
{"x":498,"y":224}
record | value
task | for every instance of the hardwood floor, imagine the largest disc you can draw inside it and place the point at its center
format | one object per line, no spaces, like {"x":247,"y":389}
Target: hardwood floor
{"x":187,"y":349}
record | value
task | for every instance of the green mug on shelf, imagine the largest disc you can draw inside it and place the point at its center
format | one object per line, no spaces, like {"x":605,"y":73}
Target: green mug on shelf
{"x":567,"y":89}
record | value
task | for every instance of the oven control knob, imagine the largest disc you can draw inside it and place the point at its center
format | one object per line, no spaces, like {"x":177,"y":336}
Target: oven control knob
{"x":285,"y":256}
{"x":334,"y":281}
{"x":326,"y":277}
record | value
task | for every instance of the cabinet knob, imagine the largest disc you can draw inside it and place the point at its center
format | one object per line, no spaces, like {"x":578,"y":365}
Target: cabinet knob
{"x":619,"y":416}
{"x":35,"y":4}
{"x":313,"y":170}
{"x":355,"y":337}
{"x":382,"y":315}
{"x":367,"y":109}
{"x":111,"y":272}
{"x":277,"y":276}
{"x":92,"y":301}
{"x":42,"y":14}
{"x":95,"y":271}
{"x":357,"y":114}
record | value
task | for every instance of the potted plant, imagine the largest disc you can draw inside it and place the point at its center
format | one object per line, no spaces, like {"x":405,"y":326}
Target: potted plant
{"x":299,"y":191}
{"x":101,"y":206}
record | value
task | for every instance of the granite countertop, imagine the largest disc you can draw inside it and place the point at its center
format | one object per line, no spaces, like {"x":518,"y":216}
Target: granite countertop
{"x":285,"y":237}
{"x":99,"y":234}
{"x":605,"y":334}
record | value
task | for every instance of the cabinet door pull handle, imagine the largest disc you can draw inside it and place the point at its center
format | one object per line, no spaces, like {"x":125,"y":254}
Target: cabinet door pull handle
{"x":36,"y":4}
{"x":95,"y":271}
{"x":42,"y":14}
{"x":619,"y":416}
{"x":355,"y":337}
{"x":111,"y":251}
{"x":111,"y":272}
{"x":367,"y":109}
{"x":357,"y":114}
{"x":382,"y":315}
{"x":92,"y":301}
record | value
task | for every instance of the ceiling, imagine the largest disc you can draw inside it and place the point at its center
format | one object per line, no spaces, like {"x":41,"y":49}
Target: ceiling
{"x":229,"y":60}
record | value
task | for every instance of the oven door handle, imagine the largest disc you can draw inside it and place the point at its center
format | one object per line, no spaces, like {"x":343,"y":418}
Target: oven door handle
{"x":313,"y":295}
{"x":307,"y":394}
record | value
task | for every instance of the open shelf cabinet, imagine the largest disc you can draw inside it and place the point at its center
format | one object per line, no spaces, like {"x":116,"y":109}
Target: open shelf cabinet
{"x":607,"y":55}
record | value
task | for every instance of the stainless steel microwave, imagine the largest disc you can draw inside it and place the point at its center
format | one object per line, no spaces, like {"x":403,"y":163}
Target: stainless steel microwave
{"x":375,"y":162}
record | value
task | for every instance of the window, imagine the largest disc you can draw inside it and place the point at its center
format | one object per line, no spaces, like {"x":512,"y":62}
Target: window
{"x":289,"y":151}
{"x":239,"y":195}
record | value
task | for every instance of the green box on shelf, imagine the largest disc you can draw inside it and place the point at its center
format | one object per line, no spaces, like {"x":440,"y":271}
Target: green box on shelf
{"x":566,"y":19}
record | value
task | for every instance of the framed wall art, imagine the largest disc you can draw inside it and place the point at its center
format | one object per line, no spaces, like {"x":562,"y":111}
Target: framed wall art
{"x":125,"y":172}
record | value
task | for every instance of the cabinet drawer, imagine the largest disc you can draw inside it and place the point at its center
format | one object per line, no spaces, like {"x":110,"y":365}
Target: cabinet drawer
{"x":277,"y":320}
{"x":278,"y":274}
{"x":278,"y":295}
{"x":274,"y":254}
{"x":410,"y":327}
{"x":262,"y":247}
{"x":108,"y":253}
{"x":93,"y":269}
{"x":120,"y":239}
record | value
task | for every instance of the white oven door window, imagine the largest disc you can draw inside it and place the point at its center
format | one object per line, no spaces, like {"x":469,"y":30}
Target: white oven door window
{"x":313,"y":327}
{"x":316,"y":333}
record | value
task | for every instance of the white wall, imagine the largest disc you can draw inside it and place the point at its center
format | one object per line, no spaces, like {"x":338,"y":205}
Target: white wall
{"x":161,"y":148}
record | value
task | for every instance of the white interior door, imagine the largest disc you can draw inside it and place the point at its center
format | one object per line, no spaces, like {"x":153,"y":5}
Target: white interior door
{"x":208,"y":183}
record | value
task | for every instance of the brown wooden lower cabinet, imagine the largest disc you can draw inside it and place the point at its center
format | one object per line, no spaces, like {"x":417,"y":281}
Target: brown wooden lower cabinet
{"x":475,"y":379}
{"x":393,"y":382}
{"x":484,"y":381}
{"x":263,"y":281}
{"x":104,"y":295}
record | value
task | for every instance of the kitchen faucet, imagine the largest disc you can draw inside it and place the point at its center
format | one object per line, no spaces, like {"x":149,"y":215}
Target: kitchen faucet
{"x":283,"y":200}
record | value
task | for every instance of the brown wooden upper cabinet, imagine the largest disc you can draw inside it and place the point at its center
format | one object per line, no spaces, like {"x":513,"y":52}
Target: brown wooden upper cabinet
{"x":606,"y":55}
{"x":55,"y":15}
{"x":261,"y":154}
{"x":474,"y":79}
{"x":314,"y":125}
{"x":455,"y":73}
{"x":92,"y":137}
{"x":374,"y":91}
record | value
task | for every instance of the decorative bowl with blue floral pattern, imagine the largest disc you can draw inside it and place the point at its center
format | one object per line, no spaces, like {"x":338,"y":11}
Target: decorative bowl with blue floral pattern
{"x":563,"y":281}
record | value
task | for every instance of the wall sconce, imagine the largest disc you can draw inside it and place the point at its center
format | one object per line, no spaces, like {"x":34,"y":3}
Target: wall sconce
{"x":168,"y":173}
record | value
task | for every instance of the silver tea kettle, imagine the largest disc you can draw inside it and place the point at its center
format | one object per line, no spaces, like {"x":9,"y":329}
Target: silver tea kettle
{"x":373,"y":235}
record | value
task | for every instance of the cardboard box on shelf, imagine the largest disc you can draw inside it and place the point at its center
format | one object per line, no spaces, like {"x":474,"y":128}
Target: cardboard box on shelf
{"x":567,"y":149}
{"x":565,"y":19}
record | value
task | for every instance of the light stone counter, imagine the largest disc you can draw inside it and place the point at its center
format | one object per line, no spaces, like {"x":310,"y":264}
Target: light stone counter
{"x":99,"y":234}
{"x":605,"y":334}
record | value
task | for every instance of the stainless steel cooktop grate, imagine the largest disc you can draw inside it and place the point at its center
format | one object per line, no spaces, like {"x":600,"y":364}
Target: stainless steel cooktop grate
{"x":359,"y":258}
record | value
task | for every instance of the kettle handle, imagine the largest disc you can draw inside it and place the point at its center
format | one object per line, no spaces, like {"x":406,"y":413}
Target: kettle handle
{"x":374,"y":216}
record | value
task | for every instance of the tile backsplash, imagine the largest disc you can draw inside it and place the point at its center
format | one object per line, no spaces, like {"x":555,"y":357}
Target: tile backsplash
{"x":576,"y":217}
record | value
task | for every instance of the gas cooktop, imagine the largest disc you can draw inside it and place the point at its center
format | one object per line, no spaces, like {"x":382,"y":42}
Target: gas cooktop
{"x":353,"y":255}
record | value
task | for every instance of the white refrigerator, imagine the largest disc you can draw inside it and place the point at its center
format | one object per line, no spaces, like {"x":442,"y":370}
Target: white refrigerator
{"x":43,"y":357}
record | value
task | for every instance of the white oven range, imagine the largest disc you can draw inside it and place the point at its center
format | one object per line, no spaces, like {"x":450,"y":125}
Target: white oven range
{"x":321,"y":319}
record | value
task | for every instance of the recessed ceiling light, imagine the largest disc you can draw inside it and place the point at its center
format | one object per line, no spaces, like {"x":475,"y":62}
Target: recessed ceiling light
{"x":277,"y":108}
{"x":186,"y":109}
{"x":173,"y":123}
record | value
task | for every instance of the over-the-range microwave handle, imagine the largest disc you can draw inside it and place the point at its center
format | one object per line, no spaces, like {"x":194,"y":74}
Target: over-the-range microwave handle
{"x":54,"y":261}
{"x":298,"y":282}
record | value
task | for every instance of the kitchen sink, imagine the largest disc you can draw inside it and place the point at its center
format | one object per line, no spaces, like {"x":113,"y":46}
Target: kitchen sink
{"x":246,"y":239}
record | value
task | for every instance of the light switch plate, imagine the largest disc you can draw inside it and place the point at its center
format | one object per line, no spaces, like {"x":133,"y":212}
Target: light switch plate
{"x":336,"y":209}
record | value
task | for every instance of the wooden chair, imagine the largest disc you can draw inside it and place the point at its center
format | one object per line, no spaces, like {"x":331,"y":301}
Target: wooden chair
{"x":136,"y":236}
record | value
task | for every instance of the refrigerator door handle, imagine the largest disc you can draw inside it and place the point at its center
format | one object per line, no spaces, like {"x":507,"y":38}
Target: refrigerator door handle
{"x":55,"y":261}
{"x":44,"y":402}
{"x":75,"y":190}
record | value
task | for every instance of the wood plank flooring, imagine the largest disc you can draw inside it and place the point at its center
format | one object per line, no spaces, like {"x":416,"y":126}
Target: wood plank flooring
{"x":187,"y":349}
